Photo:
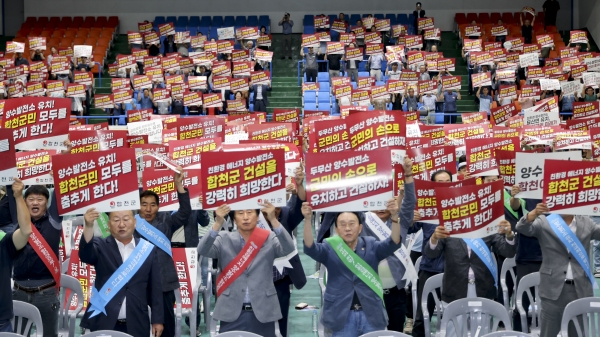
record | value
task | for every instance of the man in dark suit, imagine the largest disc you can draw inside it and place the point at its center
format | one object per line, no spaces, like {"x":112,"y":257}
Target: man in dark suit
{"x":418,"y":13}
{"x":260,"y":100}
{"x":167,"y":223}
{"x":127,"y":311}
{"x":170,"y":46}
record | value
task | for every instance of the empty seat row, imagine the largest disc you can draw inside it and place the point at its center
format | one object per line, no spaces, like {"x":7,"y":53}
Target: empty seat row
{"x":352,"y":19}
{"x":215,"y":21}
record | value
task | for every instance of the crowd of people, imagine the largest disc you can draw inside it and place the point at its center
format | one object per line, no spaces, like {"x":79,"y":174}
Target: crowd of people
{"x":251,"y":293}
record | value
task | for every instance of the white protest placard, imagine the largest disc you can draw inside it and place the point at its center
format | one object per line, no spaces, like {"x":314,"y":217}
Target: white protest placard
{"x":226,"y":33}
{"x":591,"y":79}
{"x":549,"y":84}
{"x":570,"y":87}
{"x":529,"y":169}
{"x":592,"y":63}
{"x":541,"y":118}
{"x":82,"y":51}
{"x":152,"y":128}
{"x":529,"y":60}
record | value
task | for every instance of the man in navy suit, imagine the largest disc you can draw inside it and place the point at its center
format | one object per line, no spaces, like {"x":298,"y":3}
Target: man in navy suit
{"x":127,"y":311}
{"x":260,"y":99}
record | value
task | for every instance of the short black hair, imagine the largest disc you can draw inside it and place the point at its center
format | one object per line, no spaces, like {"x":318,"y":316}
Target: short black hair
{"x":148,"y":193}
{"x":232,"y":214}
{"x":418,"y":4}
{"x":356,"y":214}
{"x":462,"y":159}
{"x":132,"y":213}
{"x":440,"y":172}
{"x":37,"y":190}
{"x":261,"y":27}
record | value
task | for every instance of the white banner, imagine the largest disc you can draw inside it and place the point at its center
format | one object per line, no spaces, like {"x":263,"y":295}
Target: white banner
{"x":529,"y":169}
{"x":529,"y":60}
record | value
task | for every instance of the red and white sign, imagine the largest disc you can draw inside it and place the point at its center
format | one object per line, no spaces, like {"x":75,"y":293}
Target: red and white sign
{"x":199,"y":127}
{"x":8,"y":166}
{"x":105,"y":180}
{"x":427,"y":201}
{"x":162,"y":183}
{"x":530,"y":169}
{"x":34,"y":167}
{"x":571,"y":187}
{"x":186,"y":266}
{"x":471,"y":211}
{"x":186,"y":153}
{"x":586,"y":109}
{"x":480,"y":157}
{"x":349,"y":180}
{"x":501,"y":114}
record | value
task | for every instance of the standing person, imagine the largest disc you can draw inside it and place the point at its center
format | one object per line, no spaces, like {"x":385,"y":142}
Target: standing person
{"x":352,"y":66}
{"x":411,"y":100}
{"x":450,"y":97}
{"x":393,"y":73}
{"x":485,"y":100}
{"x":418,"y":13}
{"x":310,"y":64}
{"x":260,"y":101}
{"x":527,"y":28}
{"x":246,"y":301}
{"x":335,"y":65}
{"x":350,"y":293}
{"x":34,"y":282}
{"x":170,"y":46}
{"x":145,"y":99}
{"x":551,"y":8}
{"x":10,"y":245}
{"x":562,"y":280}
{"x":375,"y":63}
{"x":126,"y":306}
{"x":287,"y":25}
{"x":154,"y":226}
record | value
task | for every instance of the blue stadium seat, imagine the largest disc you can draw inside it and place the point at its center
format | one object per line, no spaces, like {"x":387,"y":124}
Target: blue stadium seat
{"x":310,"y":106}
{"x":310,"y":96}
{"x":123,"y":120}
{"x":371,"y":108}
{"x":264,"y":20}
{"x":181,"y":29}
{"x":240,"y":21}
{"x":362,"y":66}
{"x":228,"y":21}
{"x":403,"y":19}
{"x":217,"y":21}
{"x":353,"y":84}
{"x":379,"y":83}
{"x":251,"y":97}
{"x":203,"y":30}
{"x":383,"y":66}
{"x":252,"y":21}
{"x":363,"y":74}
{"x":323,"y":77}
{"x":332,"y":17}
{"x":182,"y":21}
{"x":411,"y":18}
{"x":309,"y":20}
{"x":324,"y":100}
{"x":354,"y":18}
{"x":205,"y":21}
{"x":392,"y":18}
{"x":335,"y":36}
{"x":159,"y":20}
{"x":251,"y":107}
{"x":237,"y":46}
{"x":309,"y":29}
{"x":334,"y":108}
{"x":171,"y":19}
{"x":378,"y":16}
{"x":212,"y":33}
{"x":194,"y":21}
{"x":324,"y":87}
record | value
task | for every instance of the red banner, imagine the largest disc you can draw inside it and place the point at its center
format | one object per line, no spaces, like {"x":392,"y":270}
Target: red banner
{"x":199,"y":127}
{"x":34,"y":167}
{"x":349,"y":180}
{"x":586,"y":109}
{"x":501,"y":114}
{"x":243,"y":180}
{"x":571,"y":187}
{"x":427,"y":201}
{"x":186,"y":153}
{"x":105,"y":180}
{"x":480,"y":157}
{"x":186,"y":266}
{"x":506,"y":165}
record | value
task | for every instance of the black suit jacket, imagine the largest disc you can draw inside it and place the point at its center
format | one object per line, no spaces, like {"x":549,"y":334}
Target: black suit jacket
{"x":143,"y":290}
{"x":290,"y":217}
{"x":265,"y":88}
{"x":455,"y":251}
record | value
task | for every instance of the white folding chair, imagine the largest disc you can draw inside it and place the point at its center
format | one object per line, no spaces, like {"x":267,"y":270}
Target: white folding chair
{"x":206,"y":291}
{"x":106,"y":333}
{"x":9,"y":334}
{"x":25,"y":311}
{"x":385,"y":333}
{"x":474,"y":317}
{"x":213,"y":330}
{"x":507,"y":269}
{"x":508,"y":334}
{"x":238,"y":334}
{"x":67,"y":317}
{"x":582,"y":313}
{"x":524,"y":289}
{"x":433,"y":283}
{"x":321,"y":329}
{"x":414,"y":288}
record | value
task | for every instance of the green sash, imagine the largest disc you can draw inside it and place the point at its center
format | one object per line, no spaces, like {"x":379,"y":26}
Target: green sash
{"x":103,"y":225}
{"x":2,"y":234}
{"x":507,"y":197}
{"x":356,"y":265}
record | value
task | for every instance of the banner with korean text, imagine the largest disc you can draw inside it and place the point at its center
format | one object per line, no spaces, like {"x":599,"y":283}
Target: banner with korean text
{"x":8,"y":165}
{"x":529,"y":168}
{"x":572,"y":187}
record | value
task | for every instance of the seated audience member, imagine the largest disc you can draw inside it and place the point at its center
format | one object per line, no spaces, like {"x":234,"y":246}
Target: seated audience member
{"x":262,"y":32}
{"x":20,"y":60}
{"x":353,"y":301}
{"x":563,"y":278}
{"x":241,"y":96}
{"x":126,"y":305}
{"x":37,"y":55}
{"x":580,"y":46}
{"x":501,"y":38}
{"x":246,"y":303}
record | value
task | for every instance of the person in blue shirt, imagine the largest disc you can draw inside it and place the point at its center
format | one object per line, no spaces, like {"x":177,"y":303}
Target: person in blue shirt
{"x":567,"y":101}
{"x":449,"y":97}
{"x":145,"y":100}
{"x":287,"y":25}
{"x":485,"y":100}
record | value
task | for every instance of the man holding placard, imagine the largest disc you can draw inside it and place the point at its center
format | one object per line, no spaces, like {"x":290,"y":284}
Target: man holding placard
{"x":246,"y":298}
{"x":158,"y":229}
{"x":344,"y":311}
{"x":128,"y":278}
{"x":564,"y":239}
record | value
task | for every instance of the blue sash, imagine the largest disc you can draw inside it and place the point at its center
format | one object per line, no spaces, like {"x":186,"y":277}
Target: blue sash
{"x":572,"y":243}
{"x":483,"y":252}
{"x":153,"y":235}
{"x":119,"y":278}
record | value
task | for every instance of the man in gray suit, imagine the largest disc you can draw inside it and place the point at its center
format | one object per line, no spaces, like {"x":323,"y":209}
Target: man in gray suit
{"x":260,"y":100}
{"x":562,"y":278}
{"x":246,"y":296}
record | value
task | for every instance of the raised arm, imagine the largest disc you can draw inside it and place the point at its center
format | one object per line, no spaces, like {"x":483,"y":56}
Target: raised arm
{"x":210,"y":245}
{"x":531,"y":223}
{"x":180,"y":218}
{"x":308,"y":233}
{"x":21,"y":235}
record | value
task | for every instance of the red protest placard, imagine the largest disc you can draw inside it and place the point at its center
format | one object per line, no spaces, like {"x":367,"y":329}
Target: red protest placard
{"x":471,"y":211}
{"x":35,"y":89}
{"x":339,"y":26}
{"x":37,"y":122}
{"x":286,"y":115}
{"x":105,"y":180}
{"x":192,"y":98}
{"x":329,"y":136}
{"x":186,"y":265}
{"x":8,"y":166}
{"x":425,"y":23}
{"x":242,"y":68}
{"x":579,"y":36}
{"x":272,"y":131}
{"x":199,"y":127}
{"x":166,"y":29}
{"x":506,"y":165}
{"x":378,"y":130}
{"x":349,"y":180}
{"x":474,"y":117}
{"x":186,"y":153}
{"x":243,"y":180}
{"x":162,"y":183}
{"x":571,"y":187}
{"x":572,"y":139}
{"x":97,"y":140}
{"x":139,"y":115}
{"x":480,"y":157}
{"x":142,"y":82}
{"x":583,"y":123}
{"x":34,"y":167}
{"x":501,"y":114}
{"x":585,"y":109}
{"x":427,"y":200}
